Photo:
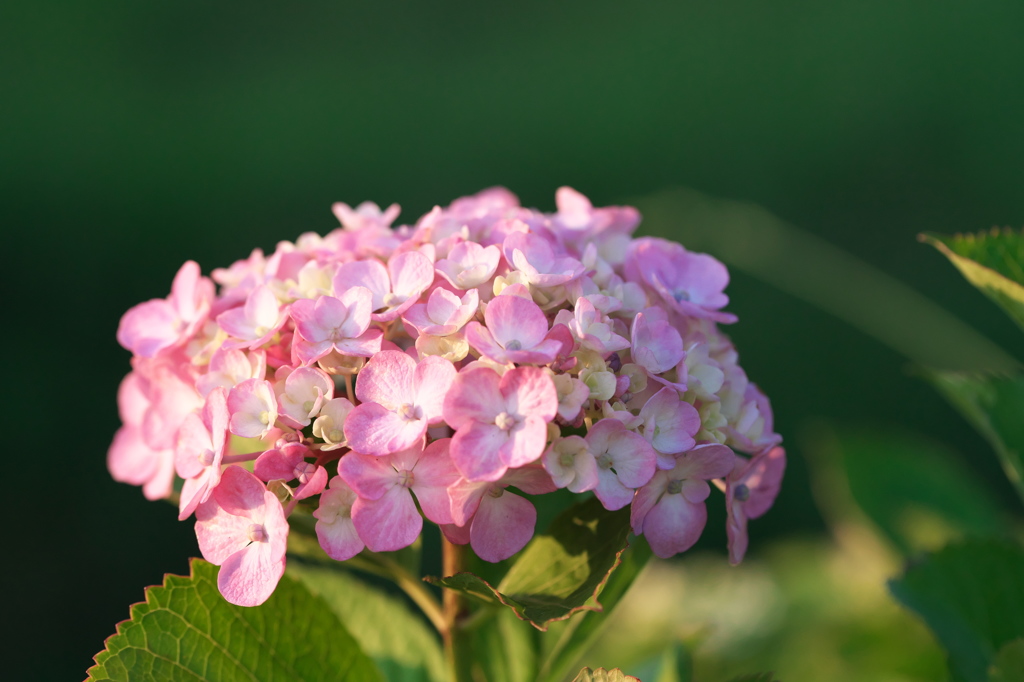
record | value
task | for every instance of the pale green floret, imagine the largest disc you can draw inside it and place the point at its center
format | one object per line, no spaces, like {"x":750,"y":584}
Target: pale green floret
{"x":600,"y":383}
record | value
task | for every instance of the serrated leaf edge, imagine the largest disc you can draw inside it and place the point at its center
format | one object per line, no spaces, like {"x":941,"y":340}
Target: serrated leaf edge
{"x":105,"y":653}
{"x":506,"y":600}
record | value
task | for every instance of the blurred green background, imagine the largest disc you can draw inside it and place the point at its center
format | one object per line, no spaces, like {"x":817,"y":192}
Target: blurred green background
{"x":134,"y":136}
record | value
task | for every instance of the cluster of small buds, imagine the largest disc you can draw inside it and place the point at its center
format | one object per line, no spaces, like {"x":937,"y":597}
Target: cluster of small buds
{"x":449,"y":369}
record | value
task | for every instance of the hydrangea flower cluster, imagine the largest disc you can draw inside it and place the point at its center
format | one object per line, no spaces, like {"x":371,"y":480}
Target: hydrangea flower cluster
{"x":451,"y":370}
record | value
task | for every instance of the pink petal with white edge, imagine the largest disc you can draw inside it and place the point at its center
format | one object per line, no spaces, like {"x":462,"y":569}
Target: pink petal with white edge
{"x":249,"y":577}
{"x":432,"y":378}
{"x":148,"y":328}
{"x":669,"y":425}
{"x":390,"y":523}
{"x":334,"y":528}
{"x":526,"y":442}
{"x":502,"y":526}
{"x":220,"y":534}
{"x":517,"y":321}
{"x":530,"y":391}
{"x":476,"y":451}
{"x":370,"y":477}
{"x":241,"y":493}
{"x":368,"y":273}
{"x":387,"y":379}
{"x":372,"y":429}
{"x":474,"y":395}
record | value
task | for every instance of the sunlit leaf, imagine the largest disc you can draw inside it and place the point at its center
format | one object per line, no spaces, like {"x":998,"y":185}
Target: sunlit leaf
{"x":580,"y":632}
{"x":995,"y":406}
{"x":756,"y":677}
{"x":185,"y":630}
{"x":400,"y":642}
{"x":971,"y":595}
{"x":560,"y":572}
{"x":992,"y":261}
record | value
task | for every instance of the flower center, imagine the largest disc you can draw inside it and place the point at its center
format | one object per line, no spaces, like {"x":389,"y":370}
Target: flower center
{"x":741,"y":493}
{"x":410,"y":412}
{"x":257,"y":533}
{"x":514,"y":344}
{"x":264,"y":417}
{"x":391,"y":300}
{"x":335,"y":435}
{"x":504,"y":421}
{"x":206,"y":458}
{"x":604,"y":461}
{"x":303,"y":471}
{"x":406,"y":479}
{"x":308,"y":406}
{"x":674,"y":486}
{"x":496,"y":491}
{"x":680,"y":295}
{"x":566,"y":460}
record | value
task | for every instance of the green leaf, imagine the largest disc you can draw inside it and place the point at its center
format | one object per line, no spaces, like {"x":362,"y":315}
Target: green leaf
{"x":902,"y":482}
{"x":560,"y":572}
{"x":602,"y":675}
{"x":504,"y":649}
{"x":1009,"y":663}
{"x":995,"y":407}
{"x":676,"y":664}
{"x":992,"y":261}
{"x":755,"y":677}
{"x":581,"y":632}
{"x":971,"y":595}
{"x":185,"y":630}
{"x":399,"y":641}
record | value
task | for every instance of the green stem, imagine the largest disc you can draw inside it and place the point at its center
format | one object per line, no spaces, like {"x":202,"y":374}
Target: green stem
{"x":457,"y":647}
{"x":410,"y":584}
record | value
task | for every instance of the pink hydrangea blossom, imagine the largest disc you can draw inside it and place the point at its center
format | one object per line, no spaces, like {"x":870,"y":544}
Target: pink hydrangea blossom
{"x":161,"y":324}
{"x":469,"y":265}
{"x":515,"y":329}
{"x":393,"y":289}
{"x":625,"y":461}
{"x":334,"y":526}
{"x":255,"y":323}
{"x":500,"y":522}
{"x":301,"y":394}
{"x":444,"y":313}
{"x":385,"y":514}
{"x":670,"y":511}
{"x":669,"y":424}
{"x":199,"y":451}
{"x":750,"y":491}
{"x":339,"y":324}
{"x":692,"y":284}
{"x":486,"y":351}
{"x":500,"y":421}
{"x":242,"y":528}
{"x":130,"y":459}
{"x":253,"y":408}
{"x":400,"y":399}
